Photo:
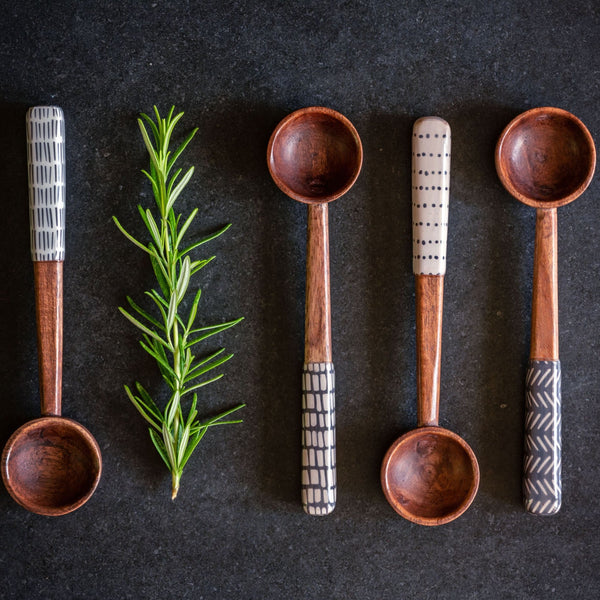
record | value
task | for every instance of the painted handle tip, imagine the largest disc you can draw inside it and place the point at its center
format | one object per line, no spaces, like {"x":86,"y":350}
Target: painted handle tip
{"x":319,"y":488}
{"x":542,"y":488}
{"x":46,"y":168}
{"x":430,"y":194}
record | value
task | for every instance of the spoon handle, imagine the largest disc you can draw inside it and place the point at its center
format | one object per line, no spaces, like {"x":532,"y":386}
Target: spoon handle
{"x":542,"y":491}
{"x":46,"y":168}
{"x":430,"y":198}
{"x":318,"y":379}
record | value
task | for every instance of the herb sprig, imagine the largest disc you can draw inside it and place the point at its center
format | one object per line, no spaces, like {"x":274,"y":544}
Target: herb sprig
{"x":167,"y":335}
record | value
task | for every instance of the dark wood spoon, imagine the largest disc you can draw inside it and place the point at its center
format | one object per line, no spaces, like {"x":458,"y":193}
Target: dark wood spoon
{"x":314,"y":156}
{"x":430,"y":475}
{"x":545,"y":158}
{"x":52,"y":465}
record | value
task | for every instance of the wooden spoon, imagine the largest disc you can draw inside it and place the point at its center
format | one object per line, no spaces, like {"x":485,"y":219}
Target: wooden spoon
{"x":430,"y":475}
{"x":545,"y":158}
{"x":52,"y":465}
{"x":314,"y":156}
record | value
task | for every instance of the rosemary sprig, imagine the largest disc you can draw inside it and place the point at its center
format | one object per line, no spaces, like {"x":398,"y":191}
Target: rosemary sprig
{"x":167,"y":335}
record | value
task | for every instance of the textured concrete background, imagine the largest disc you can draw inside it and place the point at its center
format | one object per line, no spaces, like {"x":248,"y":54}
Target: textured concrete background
{"x":236,"y":68}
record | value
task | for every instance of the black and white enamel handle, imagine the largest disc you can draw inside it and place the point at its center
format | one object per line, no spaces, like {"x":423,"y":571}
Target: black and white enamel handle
{"x":46,"y":164}
{"x":542,"y":461}
{"x":430,"y":194}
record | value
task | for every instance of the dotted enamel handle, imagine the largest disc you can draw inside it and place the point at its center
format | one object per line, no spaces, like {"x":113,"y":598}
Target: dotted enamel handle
{"x":430,"y":194}
{"x":46,"y":165}
{"x":542,"y":461}
{"x":318,"y":438}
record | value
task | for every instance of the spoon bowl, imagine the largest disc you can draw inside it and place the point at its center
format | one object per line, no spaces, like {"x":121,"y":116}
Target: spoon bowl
{"x":51,"y":466}
{"x":314,"y":155}
{"x":545,"y":157}
{"x":430,"y":476}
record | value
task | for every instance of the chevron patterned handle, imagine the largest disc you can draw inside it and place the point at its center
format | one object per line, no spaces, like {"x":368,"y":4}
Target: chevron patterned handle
{"x":46,"y":165}
{"x":542,"y":463}
{"x":318,"y":438}
{"x":430,"y":194}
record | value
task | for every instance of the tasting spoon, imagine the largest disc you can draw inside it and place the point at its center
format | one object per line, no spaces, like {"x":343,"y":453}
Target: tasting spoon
{"x":429,"y":475}
{"x":545,"y":158}
{"x":51,"y":465}
{"x":314,"y":156}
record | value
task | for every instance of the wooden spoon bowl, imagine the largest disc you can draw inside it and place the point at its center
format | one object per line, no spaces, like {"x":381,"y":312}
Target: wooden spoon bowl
{"x":51,"y":466}
{"x":545,"y":157}
{"x":430,"y":476}
{"x":314,"y":155}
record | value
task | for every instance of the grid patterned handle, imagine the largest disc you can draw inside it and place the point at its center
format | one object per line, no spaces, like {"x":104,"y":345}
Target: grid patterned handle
{"x":318,"y":438}
{"x":46,"y":166}
{"x":542,"y":462}
{"x":430,"y":194}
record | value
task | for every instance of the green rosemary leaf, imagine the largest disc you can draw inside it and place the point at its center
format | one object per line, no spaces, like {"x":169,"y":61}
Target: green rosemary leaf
{"x":218,"y":419}
{"x":148,"y":400}
{"x":142,"y":409}
{"x":131,"y":238}
{"x":193,"y":311}
{"x":199,"y":264}
{"x":184,"y":279}
{"x":152,"y":127}
{"x":212,"y":330}
{"x":144,"y":314}
{"x":185,"y":226}
{"x":183,"y":443}
{"x":181,"y":148}
{"x":201,"y":369}
{"x":148,"y":143}
{"x":194,"y":441}
{"x":171,"y":314}
{"x":152,"y":227}
{"x":173,"y":407}
{"x":202,"y":384}
{"x":170,"y":123}
{"x":161,"y":275}
{"x":192,"y":413}
{"x":145,"y":329}
{"x":160,"y":446}
{"x":179,"y":188}
{"x":161,"y":361}
{"x":172,"y":181}
{"x":209,"y":238}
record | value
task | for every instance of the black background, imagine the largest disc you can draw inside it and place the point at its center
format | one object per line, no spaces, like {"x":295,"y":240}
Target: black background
{"x":237,"y":529}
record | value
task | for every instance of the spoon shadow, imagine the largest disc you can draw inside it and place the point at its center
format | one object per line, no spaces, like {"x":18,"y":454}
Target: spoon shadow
{"x":18,"y":370}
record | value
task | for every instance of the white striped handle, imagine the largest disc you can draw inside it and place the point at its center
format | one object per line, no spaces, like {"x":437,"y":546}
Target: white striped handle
{"x":430,"y":194}
{"x":46,"y":166}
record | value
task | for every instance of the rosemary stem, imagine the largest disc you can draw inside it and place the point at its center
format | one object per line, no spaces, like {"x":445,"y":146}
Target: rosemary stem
{"x":174,"y":434}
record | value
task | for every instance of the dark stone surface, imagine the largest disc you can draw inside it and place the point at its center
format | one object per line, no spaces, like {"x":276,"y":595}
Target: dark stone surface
{"x":236,"y":68}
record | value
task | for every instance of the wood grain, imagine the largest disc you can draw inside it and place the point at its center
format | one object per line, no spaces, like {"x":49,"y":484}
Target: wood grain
{"x":317,"y":329}
{"x":429,"y":291}
{"x":544,"y":312}
{"x":48,"y":279}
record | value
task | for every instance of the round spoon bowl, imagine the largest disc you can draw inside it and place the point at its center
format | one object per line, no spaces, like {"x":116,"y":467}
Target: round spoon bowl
{"x":314,"y":155}
{"x":545,"y":157}
{"x":430,"y":476}
{"x":51,"y":466}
